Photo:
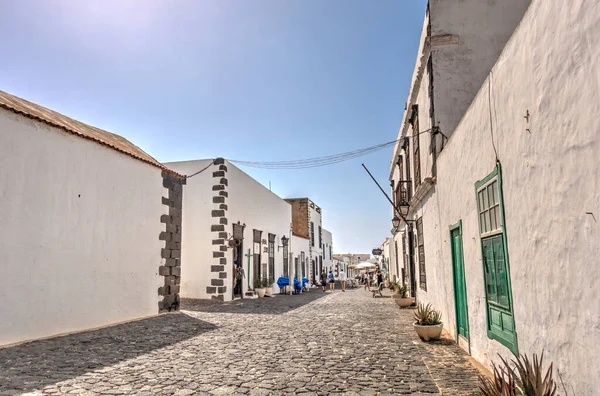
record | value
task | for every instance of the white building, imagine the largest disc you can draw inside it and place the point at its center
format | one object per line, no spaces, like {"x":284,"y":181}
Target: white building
{"x":233,"y":231}
{"x":300,"y":252}
{"x":307,"y":224}
{"x":506,"y":239}
{"x":327,"y":248}
{"x":352,"y":258}
{"x":83,"y":227}
{"x":385,"y":259}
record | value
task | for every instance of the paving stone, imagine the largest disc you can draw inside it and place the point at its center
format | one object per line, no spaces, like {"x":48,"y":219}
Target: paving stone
{"x":312,"y":343}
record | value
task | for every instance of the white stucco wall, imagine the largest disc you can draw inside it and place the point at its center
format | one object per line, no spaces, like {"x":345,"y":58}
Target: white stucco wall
{"x":248,"y":202}
{"x":196,"y":244}
{"x":315,"y":251}
{"x":298,"y":246}
{"x":79,"y":232}
{"x":259,"y":208}
{"x":550,"y":174}
{"x":327,"y":243}
{"x":482,"y":28}
{"x":385,"y":259}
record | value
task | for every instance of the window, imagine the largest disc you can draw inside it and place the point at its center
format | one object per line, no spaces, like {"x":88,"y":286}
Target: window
{"x":303,"y":263}
{"x":416,"y":150}
{"x":296,"y":269}
{"x":257,"y":245}
{"x":489,"y":208}
{"x":286,"y":270}
{"x":407,"y":166}
{"x":399,"y":188}
{"x":396,"y":254}
{"x":320,"y":238}
{"x":330,"y":252}
{"x":421,"y":249}
{"x":496,"y":273}
{"x":272,"y":257}
{"x":312,"y":233}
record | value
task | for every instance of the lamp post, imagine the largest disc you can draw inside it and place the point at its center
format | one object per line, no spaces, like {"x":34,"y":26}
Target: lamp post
{"x":284,"y":242}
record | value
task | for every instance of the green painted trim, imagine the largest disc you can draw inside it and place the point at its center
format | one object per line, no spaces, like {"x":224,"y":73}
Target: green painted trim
{"x":452,"y":228}
{"x":455,"y":226}
{"x":486,"y":179}
{"x":513,"y":347}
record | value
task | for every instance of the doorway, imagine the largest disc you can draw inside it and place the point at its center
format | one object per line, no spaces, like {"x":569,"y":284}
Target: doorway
{"x":256,"y":275}
{"x":238,"y":261}
{"x":411,"y":264}
{"x":460,"y":287}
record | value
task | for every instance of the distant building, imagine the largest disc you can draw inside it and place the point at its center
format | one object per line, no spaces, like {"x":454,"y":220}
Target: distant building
{"x":328,"y":250}
{"x":233,"y":231}
{"x":307,"y":224}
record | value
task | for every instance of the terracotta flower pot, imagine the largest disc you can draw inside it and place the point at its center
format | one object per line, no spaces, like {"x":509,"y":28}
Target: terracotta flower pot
{"x":429,"y":332}
{"x":405,"y":302}
{"x":261,"y":292}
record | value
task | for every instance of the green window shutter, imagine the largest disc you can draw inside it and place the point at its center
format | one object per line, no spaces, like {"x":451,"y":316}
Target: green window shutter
{"x":490,"y":270}
{"x":500,"y":315}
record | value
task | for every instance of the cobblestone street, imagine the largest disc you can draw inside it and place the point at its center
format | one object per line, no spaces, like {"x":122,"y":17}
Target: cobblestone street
{"x":315,"y":343}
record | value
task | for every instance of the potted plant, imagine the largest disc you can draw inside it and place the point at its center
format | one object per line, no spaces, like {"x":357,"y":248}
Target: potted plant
{"x":258,"y":288}
{"x":268,"y":284}
{"x":401,"y":291}
{"x":520,"y":377}
{"x":428,"y":322}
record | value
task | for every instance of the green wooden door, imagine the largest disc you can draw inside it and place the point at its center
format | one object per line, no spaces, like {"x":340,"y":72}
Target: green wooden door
{"x":460,"y":288}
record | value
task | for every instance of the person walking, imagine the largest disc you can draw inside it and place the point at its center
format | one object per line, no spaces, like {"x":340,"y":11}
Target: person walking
{"x":323,"y":279}
{"x":331,"y":281}
{"x":342,"y":277}
{"x":380,"y":283}
{"x":368,"y":282}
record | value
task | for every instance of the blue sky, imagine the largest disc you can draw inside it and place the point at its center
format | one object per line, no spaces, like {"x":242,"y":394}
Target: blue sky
{"x":260,"y":80}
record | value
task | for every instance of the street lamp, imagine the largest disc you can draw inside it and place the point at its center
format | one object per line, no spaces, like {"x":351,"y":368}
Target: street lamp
{"x":396,"y":222}
{"x":284,"y":242}
{"x":403,"y":206}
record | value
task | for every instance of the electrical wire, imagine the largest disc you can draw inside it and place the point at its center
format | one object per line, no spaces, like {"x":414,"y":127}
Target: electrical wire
{"x":200,"y":171}
{"x":490,"y":108}
{"x":320,"y":161}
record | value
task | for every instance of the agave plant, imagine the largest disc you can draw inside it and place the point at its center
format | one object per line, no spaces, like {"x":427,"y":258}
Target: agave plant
{"x":425,"y":315}
{"x":525,"y":379}
{"x":401,"y":288}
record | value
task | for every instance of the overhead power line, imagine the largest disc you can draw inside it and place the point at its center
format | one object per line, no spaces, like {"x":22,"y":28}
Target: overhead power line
{"x":319,"y":161}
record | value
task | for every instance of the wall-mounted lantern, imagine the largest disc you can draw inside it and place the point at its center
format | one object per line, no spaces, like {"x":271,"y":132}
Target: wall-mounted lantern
{"x":284,"y":242}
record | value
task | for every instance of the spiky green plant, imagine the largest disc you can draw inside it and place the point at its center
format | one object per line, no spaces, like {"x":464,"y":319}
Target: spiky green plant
{"x":401,"y":289}
{"x":531,"y":377}
{"x":525,"y":379}
{"x":257,"y":283}
{"x":425,"y":315}
{"x":502,"y":383}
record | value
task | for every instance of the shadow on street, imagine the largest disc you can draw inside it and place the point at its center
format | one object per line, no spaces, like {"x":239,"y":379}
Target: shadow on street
{"x":277,"y":305}
{"x":37,"y":364}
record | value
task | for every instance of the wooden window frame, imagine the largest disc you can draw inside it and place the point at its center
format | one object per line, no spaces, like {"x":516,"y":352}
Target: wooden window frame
{"x":416,"y":146}
{"x":421,"y":254}
{"x":256,"y":237}
{"x":286,"y":270}
{"x":407,"y":166}
{"x":508,"y":338}
{"x":271,"y":246}
{"x":320,"y":237}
